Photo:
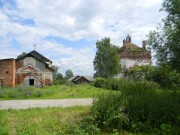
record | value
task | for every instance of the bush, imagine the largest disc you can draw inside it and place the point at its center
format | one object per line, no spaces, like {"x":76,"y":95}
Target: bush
{"x":151,"y":110}
{"x":126,"y":86}
{"x":89,"y":125}
{"x":100,"y":82}
{"x":108,"y":112}
{"x":139,"y":109}
{"x":166,"y":77}
{"x":59,"y":81}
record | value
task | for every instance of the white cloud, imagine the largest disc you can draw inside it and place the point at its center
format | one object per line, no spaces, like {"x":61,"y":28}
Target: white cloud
{"x":73,"y":20}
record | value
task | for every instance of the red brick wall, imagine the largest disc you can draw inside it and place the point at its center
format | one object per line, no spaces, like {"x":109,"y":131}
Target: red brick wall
{"x":7,"y":72}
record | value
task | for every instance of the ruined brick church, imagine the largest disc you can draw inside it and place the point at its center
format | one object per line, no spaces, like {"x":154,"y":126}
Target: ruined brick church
{"x":31,"y":69}
{"x":132,"y":55}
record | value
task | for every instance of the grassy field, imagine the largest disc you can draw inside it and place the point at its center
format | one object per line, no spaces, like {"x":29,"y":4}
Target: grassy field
{"x":48,"y":121}
{"x":41,"y":121}
{"x":51,"y":92}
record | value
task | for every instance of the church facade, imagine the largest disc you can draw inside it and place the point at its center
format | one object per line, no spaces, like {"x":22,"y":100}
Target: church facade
{"x":32,"y":69}
{"x":132,"y":55}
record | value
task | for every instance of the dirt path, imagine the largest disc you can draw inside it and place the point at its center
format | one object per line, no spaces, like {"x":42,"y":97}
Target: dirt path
{"x":24,"y":104}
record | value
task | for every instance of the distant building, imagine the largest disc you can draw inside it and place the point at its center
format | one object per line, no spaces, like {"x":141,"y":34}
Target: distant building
{"x":31,"y":69}
{"x":81,"y":79}
{"x":132,"y":55}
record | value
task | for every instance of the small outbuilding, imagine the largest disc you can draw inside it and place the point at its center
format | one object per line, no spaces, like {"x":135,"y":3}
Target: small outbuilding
{"x":81,"y":79}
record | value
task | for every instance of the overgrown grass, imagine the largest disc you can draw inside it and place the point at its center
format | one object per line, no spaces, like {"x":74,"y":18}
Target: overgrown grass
{"x":42,"y":121}
{"x":141,"y":107}
{"x":51,"y":121}
{"x":51,"y":92}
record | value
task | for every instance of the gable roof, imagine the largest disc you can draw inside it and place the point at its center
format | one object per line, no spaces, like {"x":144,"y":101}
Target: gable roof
{"x":75,"y":78}
{"x":36,"y":55}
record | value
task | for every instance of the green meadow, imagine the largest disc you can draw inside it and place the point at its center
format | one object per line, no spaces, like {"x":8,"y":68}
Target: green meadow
{"x":51,"y":92}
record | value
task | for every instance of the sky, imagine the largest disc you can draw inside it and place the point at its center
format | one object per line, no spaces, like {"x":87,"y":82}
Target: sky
{"x":66,"y":31}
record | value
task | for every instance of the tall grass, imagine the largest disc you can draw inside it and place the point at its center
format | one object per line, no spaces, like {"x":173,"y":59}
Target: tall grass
{"x":42,"y":121}
{"x":141,"y":107}
{"x":51,"y":92}
{"x":23,"y":92}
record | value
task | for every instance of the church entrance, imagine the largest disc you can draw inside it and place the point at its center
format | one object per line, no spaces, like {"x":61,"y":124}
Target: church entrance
{"x":31,"y":82}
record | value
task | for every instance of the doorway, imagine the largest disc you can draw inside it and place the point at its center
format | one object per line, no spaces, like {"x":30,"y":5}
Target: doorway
{"x":31,"y":82}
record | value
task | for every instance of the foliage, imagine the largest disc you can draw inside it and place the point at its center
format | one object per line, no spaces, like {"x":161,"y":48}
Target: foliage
{"x":138,"y":109}
{"x":143,"y":72}
{"x":106,"y":61}
{"x":125,"y":85}
{"x":21,"y":55}
{"x":88,"y":125}
{"x":69,"y":74}
{"x":149,"y":111}
{"x":164,"y":75}
{"x":100,"y":82}
{"x":55,"y":71}
{"x":57,"y":77}
{"x":165,"y":40}
{"x":108,"y":112}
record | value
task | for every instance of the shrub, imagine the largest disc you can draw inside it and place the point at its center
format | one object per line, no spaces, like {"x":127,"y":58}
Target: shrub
{"x":100,"y":82}
{"x":166,"y":77}
{"x":152,"y":110}
{"x":137,"y":110}
{"x":59,"y":81}
{"x":126,"y":86}
{"x":108,"y":112}
{"x":89,"y":125}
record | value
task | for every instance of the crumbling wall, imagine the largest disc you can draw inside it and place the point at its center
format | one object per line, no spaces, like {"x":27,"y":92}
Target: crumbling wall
{"x":7,"y":72}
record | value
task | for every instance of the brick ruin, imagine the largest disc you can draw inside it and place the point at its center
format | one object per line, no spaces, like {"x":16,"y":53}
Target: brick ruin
{"x":132,"y":55}
{"x":32,"y":69}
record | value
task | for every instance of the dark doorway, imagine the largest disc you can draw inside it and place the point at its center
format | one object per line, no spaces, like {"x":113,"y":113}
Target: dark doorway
{"x":31,"y":82}
{"x":1,"y":82}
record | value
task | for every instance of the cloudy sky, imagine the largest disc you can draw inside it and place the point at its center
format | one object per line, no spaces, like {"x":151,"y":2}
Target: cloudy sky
{"x":66,"y":31}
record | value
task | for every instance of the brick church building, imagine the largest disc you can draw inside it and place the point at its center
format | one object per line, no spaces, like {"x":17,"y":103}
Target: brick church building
{"x":31,"y":69}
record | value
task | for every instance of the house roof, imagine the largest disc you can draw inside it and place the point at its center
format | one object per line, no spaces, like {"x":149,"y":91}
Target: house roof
{"x":90,"y":78}
{"x":72,"y":78}
{"x":75,"y":78}
{"x":36,"y":55}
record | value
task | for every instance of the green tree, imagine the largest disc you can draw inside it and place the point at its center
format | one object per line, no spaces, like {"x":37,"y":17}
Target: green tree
{"x":106,"y":62}
{"x":21,"y":55}
{"x":59,"y":76}
{"x":69,"y":74}
{"x":55,"y":73}
{"x":166,"y":39}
